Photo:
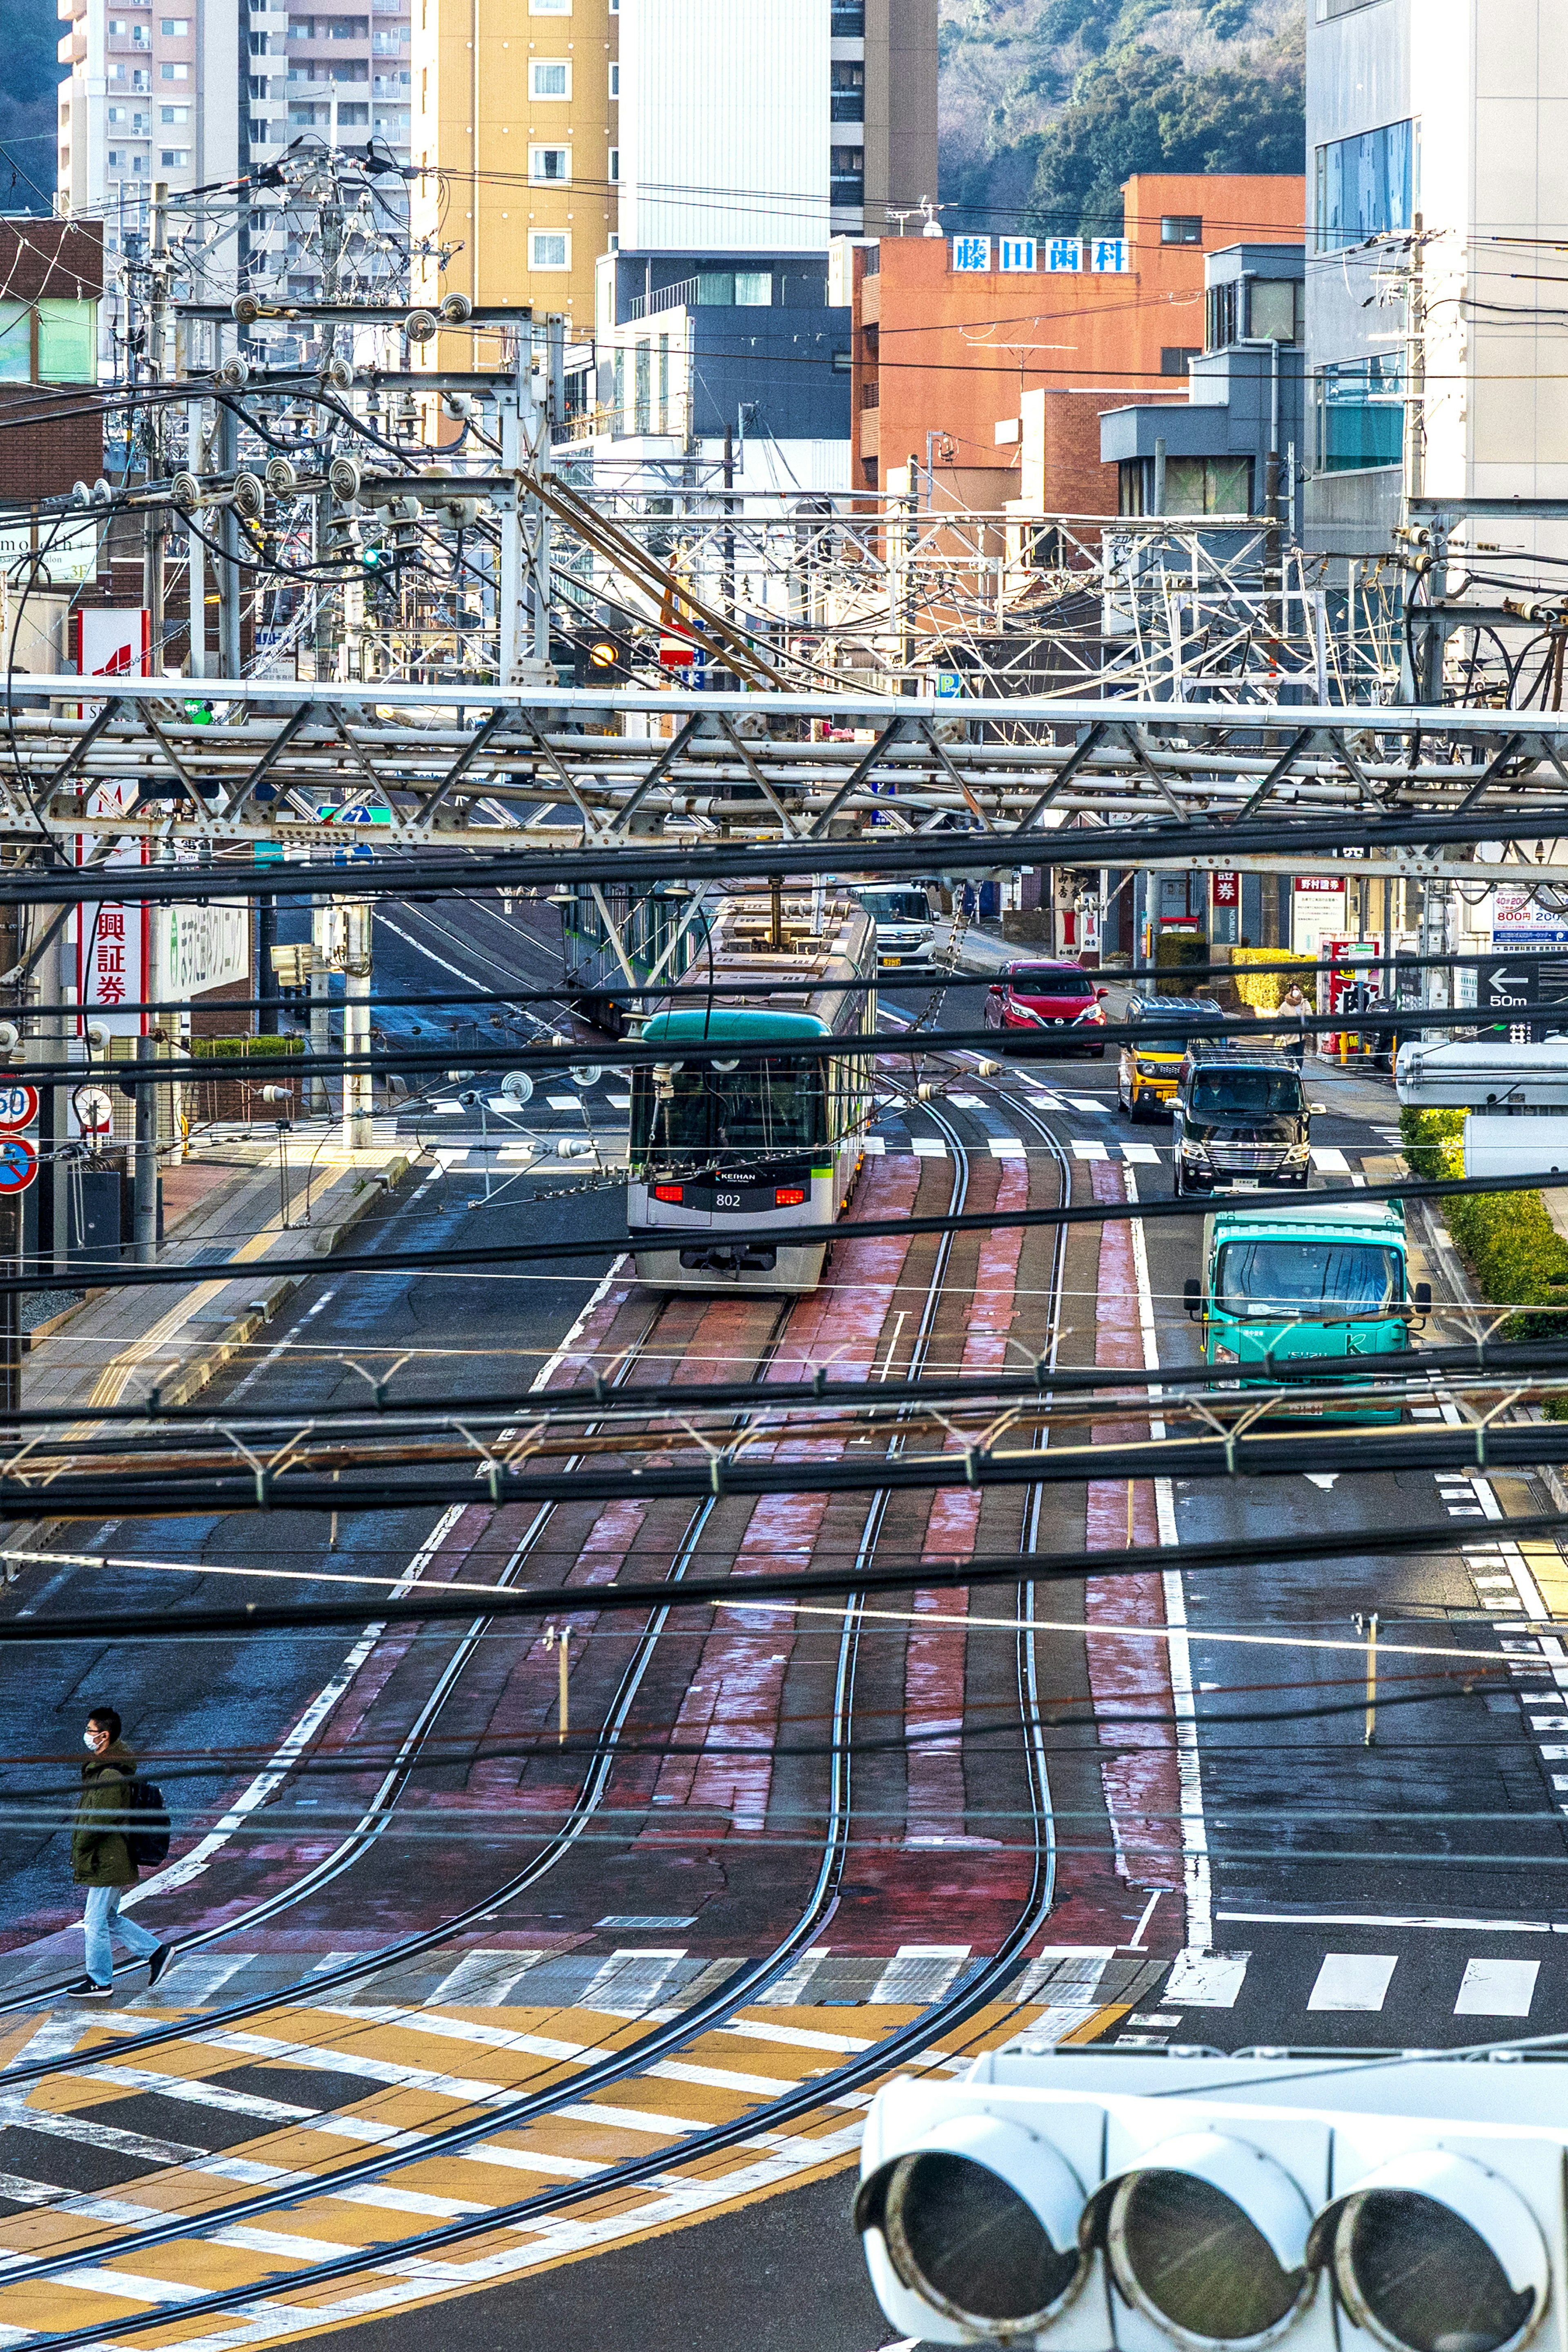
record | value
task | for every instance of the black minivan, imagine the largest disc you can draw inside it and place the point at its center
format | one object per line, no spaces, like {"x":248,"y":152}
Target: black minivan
{"x":1242,"y":1120}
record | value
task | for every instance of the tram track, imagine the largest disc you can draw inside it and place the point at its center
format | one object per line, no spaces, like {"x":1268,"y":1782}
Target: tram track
{"x":689,"y":2024}
{"x":362,"y":1836}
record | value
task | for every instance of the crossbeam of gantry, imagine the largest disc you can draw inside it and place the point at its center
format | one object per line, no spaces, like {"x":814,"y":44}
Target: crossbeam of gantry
{"x":471,"y":768}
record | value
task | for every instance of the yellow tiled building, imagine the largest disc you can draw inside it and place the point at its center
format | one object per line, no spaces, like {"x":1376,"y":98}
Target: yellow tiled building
{"x":515,"y":105}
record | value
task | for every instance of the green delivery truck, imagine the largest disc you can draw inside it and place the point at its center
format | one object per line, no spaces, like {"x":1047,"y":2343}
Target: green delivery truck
{"x":1288,"y":1282}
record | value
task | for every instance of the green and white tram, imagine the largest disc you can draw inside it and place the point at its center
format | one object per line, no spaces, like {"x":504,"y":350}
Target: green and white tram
{"x":760,"y":1135}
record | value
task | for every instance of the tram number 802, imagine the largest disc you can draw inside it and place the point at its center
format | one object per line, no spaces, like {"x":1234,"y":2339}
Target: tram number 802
{"x":726,"y":1200}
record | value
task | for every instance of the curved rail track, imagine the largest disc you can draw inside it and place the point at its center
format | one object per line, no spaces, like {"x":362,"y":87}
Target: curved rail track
{"x":750,"y":1980}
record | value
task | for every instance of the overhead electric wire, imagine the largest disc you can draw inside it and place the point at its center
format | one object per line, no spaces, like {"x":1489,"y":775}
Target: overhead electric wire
{"x":931,"y":1571}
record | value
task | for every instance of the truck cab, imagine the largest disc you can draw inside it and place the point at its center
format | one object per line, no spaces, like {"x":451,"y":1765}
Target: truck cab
{"x":1284,"y":1283}
{"x":1242,"y":1120}
{"x":907,"y":923}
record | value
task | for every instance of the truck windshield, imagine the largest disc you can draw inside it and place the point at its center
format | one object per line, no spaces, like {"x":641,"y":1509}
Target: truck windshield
{"x":1246,"y":1094}
{"x":764,"y":1105}
{"x":896,"y":906}
{"x":1275,"y":1281}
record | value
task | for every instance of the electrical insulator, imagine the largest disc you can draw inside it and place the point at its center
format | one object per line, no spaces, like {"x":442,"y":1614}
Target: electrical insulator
{"x":249,"y":495}
{"x":420,"y":325}
{"x":279,"y":476}
{"x":455,"y":308}
{"x":343,"y":479}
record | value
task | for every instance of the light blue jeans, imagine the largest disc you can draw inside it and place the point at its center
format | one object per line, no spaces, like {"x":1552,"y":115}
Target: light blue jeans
{"x":101,"y":1921}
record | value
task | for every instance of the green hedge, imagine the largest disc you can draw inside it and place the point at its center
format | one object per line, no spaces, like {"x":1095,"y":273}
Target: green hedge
{"x":1511,"y":1245}
{"x":225,"y":1049}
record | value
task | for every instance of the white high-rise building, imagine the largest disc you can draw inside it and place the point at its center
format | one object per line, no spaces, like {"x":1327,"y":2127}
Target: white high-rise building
{"x":195,"y":100}
{"x":1438,"y":190}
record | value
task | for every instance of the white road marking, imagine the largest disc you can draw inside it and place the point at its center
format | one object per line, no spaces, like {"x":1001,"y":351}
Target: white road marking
{"x":1007,"y":1147}
{"x":1353,"y":1980}
{"x":930,"y":1147}
{"x":1497,"y":1989}
{"x":1141,"y":1155}
{"x":1205,"y":1980}
{"x":1330,"y":1161}
{"x":1083,"y":1148}
{"x":1196,"y":1875}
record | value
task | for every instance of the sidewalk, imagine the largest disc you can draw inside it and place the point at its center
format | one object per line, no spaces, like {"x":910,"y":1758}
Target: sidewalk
{"x":225,"y":1203}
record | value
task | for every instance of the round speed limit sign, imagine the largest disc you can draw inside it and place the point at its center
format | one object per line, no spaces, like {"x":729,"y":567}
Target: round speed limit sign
{"x":94,"y":1109}
{"x":19,"y":1108}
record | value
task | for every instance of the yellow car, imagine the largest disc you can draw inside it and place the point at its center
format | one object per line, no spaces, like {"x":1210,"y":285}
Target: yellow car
{"x":1150,"y":1066}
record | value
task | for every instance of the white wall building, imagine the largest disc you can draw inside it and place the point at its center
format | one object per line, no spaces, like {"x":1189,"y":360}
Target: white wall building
{"x":1437,"y":366}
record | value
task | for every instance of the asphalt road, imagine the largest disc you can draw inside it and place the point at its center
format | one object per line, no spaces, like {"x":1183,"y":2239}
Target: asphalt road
{"x":1361,"y":1927}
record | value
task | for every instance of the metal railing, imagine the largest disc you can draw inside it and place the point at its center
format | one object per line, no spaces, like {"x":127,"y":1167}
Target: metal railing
{"x":682,"y":296}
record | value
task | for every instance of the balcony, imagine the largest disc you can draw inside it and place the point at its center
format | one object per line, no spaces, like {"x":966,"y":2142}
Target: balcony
{"x":848,"y":106}
{"x":681,"y":297}
{"x":71,"y":48}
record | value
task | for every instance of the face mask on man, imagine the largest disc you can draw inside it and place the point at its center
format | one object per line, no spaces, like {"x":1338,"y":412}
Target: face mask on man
{"x":88,"y":1741}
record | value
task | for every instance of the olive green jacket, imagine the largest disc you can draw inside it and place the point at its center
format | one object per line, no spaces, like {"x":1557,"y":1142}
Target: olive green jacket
{"x":101,"y":1857}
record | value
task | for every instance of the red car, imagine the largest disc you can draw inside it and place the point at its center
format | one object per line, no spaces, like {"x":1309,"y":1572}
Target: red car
{"x":1050,"y":997}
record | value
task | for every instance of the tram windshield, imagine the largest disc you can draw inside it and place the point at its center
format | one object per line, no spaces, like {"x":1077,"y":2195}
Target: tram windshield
{"x":774,"y":1105}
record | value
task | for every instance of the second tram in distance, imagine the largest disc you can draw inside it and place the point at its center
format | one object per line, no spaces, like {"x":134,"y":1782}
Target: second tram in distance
{"x":723,"y":1148}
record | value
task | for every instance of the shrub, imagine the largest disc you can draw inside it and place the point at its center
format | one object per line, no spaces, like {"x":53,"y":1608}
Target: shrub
{"x":1508,"y":1240}
{"x":1176,"y":952}
{"x":1263,"y":990}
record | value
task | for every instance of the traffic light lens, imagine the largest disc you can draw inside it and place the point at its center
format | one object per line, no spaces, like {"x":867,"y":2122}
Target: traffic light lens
{"x":603,"y":655}
{"x":1189,"y":2256}
{"x":961,"y":2237}
{"x":1422,"y":2279}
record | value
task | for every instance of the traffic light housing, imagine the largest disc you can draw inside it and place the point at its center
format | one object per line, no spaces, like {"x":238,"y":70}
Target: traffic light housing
{"x":1112,"y":2203}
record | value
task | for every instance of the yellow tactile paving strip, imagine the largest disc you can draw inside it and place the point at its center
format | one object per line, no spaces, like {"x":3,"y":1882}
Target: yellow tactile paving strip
{"x":438,"y":2077}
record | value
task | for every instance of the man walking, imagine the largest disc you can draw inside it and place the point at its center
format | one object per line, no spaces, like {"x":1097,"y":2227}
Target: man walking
{"x":101,"y":1858}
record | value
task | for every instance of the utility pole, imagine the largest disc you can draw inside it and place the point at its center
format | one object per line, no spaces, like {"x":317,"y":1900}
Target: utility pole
{"x":144,"y":1174}
{"x":331,"y":216}
{"x":524,"y":570}
{"x":230,"y":578}
{"x":324,"y":928}
{"x":157,"y":527}
{"x":357,"y":1097}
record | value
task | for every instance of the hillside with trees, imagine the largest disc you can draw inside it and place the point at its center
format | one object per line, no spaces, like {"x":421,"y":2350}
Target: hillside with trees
{"x":27,"y":108}
{"x":1045,"y":108}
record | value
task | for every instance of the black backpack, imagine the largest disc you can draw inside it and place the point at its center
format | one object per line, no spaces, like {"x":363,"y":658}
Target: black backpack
{"x":148,"y":1835}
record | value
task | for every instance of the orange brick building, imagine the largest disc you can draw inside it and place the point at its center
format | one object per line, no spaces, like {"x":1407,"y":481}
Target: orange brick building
{"x":945,"y":356}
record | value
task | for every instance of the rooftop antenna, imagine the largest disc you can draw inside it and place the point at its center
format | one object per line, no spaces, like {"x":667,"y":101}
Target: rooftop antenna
{"x":932,"y":226}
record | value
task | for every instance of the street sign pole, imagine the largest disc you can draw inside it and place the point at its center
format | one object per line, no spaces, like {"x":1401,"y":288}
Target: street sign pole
{"x":10,"y":1309}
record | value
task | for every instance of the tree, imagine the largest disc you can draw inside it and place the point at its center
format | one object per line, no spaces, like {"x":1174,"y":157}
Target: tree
{"x":1137,"y":111}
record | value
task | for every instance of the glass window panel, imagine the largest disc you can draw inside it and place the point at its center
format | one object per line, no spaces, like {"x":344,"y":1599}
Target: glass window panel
{"x":1365,"y":185}
{"x":754,"y":289}
{"x":1274,"y":309}
{"x":68,"y":341}
{"x":15,"y":342}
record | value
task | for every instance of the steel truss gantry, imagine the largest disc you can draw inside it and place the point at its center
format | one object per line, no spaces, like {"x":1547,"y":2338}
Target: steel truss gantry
{"x":596,"y":784}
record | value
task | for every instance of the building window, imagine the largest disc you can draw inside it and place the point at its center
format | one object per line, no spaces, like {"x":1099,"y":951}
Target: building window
{"x":354,"y":116}
{"x":841,"y":362}
{"x":753,"y":289}
{"x":1274,"y":310}
{"x":550,"y":7}
{"x":848,"y":92}
{"x":15,"y":342}
{"x":1193,"y":486}
{"x":1360,"y":415}
{"x":615,"y":82}
{"x":1182,"y":228}
{"x":68,"y":335}
{"x":1176,"y":360}
{"x":550,"y":80}
{"x":664,"y":383}
{"x":174,"y":114}
{"x":614,"y":167}
{"x":1366,"y":186}
{"x":641,"y":395}
{"x":848,"y":20}
{"x":549,"y":166}
{"x":174,"y":159}
{"x":173,"y":73}
{"x":848,"y":175}
{"x":549,"y":249}
{"x":176,"y":29}
{"x":1222,"y":315}
{"x":618,"y":390}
